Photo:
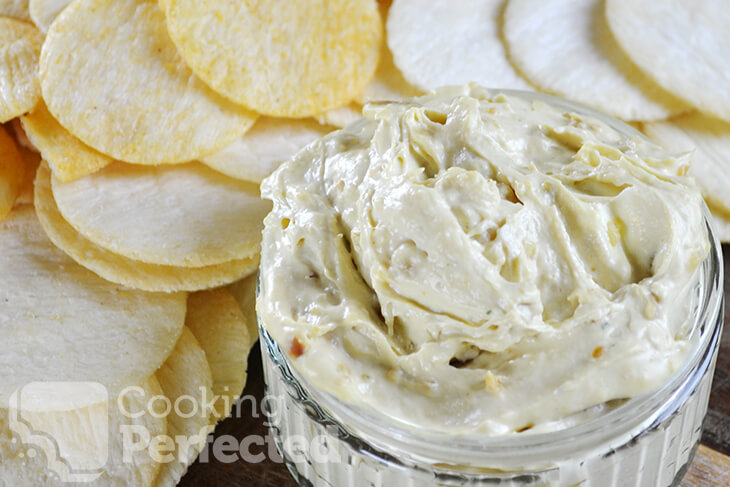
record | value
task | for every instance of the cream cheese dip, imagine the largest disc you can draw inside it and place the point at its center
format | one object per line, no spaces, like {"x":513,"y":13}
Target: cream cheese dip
{"x":473,"y":262}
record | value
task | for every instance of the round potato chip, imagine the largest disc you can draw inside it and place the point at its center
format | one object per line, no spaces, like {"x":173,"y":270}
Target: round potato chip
{"x":44,"y":12}
{"x":128,"y":94}
{"x":128,"y":272}
{"x":20,"y":46}
{"x":449,"y":42}
{"x":300,"y":58}
{"x":341,"y":117}
{"x":61,"y":322}
{"x":220,"y":326}
{"x":68,"y":157}
{"x":388,"y":84}
{"x":270,"y":142}
{"x":86,"y":436}
{"x":185,"y":215}
{"x":709,"y":138}
{"x":17,"y":9}
{"x":566,"y":48}
{"x":682,"y":44}
{"x":187,"y":382}
{"x":244,"y":291}
{"x":12,"y":171}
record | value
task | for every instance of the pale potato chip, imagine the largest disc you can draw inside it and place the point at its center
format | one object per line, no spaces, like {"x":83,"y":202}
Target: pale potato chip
{"x":270,"y":142}
{"x":128,"y":272}
{"x":710,"y":140}
{"x":20,"y":46}
{"x":44,"y":12}
{"x":12,"y":172}
{"x":682,"y":44}
{"x":342,"y":116}
{"x":128,"y":94}
{"x":220,"y":326}
{"x":61,"y":322}
{"x":280,"y":58}
{"x":68,"y":157}
{"x":187,"y":382}
{"x":17,"y":9}
{"x":566,"y":48}
{"x":244,"y":291}
{"x":84,"y":434}
{"x":450,"y":42}
{"x":185,"y":215}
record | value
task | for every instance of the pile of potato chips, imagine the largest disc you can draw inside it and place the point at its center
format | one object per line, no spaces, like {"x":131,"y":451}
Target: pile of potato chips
{"x":136,"y":133}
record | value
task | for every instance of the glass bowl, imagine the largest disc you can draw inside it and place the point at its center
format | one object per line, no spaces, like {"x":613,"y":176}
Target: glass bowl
{"x":649,"y":440}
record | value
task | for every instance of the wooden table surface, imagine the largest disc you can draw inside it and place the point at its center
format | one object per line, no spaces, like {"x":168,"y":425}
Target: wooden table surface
{"x":710,"y":468}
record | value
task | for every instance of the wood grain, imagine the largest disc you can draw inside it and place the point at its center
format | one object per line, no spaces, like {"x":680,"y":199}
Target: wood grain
{"x":711,"y":467}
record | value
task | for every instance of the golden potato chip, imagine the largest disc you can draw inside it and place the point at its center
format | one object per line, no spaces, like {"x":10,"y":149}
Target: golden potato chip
{"x":61,"y":322}
{"x":683,"y":45}
{"x":128,"y":94}
{"x":12,"y":171}
{"x":86,"y":436}
{"x":342,"y":116}
{"x":187,"y":382}
{"x":709,"y":138}
{"x":450,"y":42}
{"x":128,"y":272}
{"x":244,"y":291}
{"x":566,"y":48}
{"x":300,"y":58}
{"x":44,"y":12}
{"x":68,"y":157}
{"x":20,"y":46}
{"x":270,"y":142}
{"x":220,"y":326}
{"x":17,"y":9}
{"x":185,"y":215}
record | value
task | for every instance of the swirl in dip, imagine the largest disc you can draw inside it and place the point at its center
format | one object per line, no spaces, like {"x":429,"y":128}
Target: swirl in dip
{"x":475,"y":262}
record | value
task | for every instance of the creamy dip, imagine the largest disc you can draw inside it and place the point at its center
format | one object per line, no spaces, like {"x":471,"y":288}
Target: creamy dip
{"x":476,"y":262}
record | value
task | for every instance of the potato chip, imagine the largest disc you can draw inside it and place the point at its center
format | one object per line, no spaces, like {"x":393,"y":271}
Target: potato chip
{"x":20,"y":46}
{"x":17,"y":9}
{"x":682,"y":44}
{"x":300,"y":58}
{"x":388,"y":83}
{"x":44,"y":12}
{"x":185,"y":215}
{"x":566,"y":48}
{"x":710,"y":140}
{"x":270,"y":142}
{"x":244,"y":291}
{"x":342,"y":116}
{"x":61,"y":322}
{"x":128,"y":272}
{"x":12,"y":171}
{"x":220,"y":326}
{"x":68,"y":157}
{"x":128,"y":94}
{"x":442,"y":42}
{"x":96,"y":428}
{"x":186,"y":380}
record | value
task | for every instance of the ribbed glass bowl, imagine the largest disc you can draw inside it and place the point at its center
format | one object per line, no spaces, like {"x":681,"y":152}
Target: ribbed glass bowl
{"x":649,"y":440}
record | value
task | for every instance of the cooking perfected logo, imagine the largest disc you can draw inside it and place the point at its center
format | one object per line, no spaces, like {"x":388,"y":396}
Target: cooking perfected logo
{"x":57,"y":433}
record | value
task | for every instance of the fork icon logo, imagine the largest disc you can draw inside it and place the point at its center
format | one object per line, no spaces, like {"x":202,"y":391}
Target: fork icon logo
{"x":63,"y":427}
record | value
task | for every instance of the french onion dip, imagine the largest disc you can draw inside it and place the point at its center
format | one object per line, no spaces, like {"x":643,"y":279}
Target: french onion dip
{"x":477,"y":262}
